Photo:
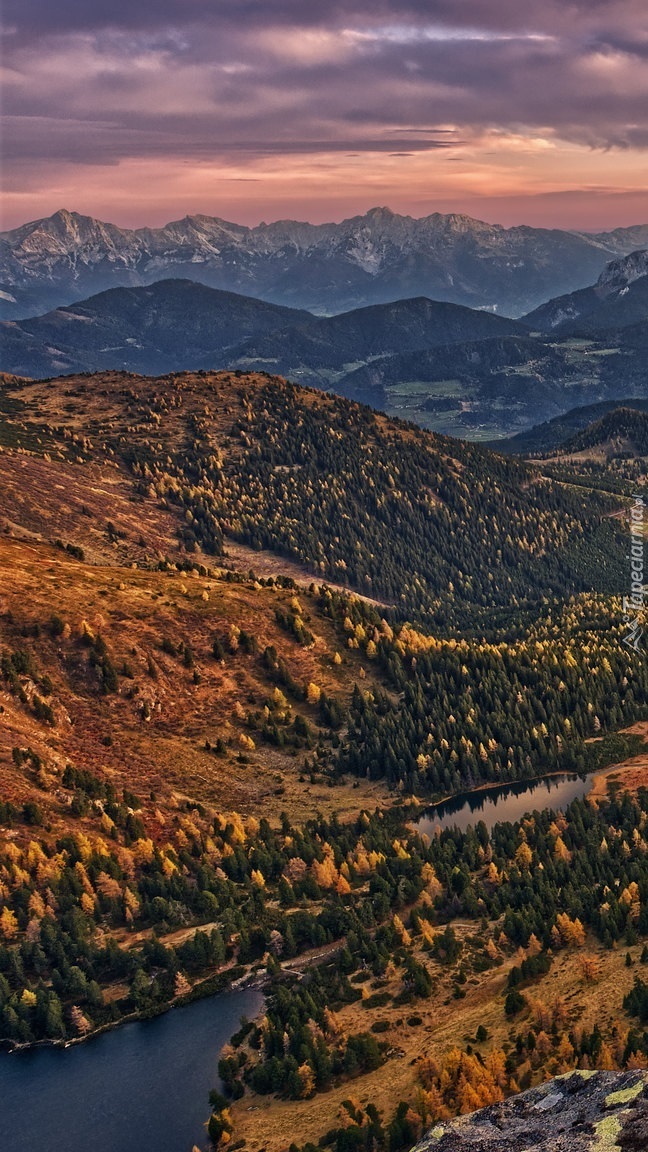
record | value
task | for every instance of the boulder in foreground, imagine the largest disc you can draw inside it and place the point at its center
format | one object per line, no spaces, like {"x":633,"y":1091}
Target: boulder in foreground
{"x":580,"y":1112}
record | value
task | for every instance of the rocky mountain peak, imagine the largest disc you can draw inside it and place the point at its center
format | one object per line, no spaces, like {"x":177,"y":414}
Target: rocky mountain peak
{"x":620,"y":273}
{"x":366,"y":259}
{"x":580,"y":1112}
{"x":381,"y":214}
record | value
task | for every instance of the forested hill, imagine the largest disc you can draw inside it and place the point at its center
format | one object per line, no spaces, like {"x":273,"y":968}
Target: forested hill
{"x":211,"y":769}
{"x":441,"y":530}
{"x":555,"y":433}
{"x":177,"y":325}
{"x":624,"y":428}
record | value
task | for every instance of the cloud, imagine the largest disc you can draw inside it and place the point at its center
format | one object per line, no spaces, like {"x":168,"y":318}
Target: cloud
{"x":233,"y":81}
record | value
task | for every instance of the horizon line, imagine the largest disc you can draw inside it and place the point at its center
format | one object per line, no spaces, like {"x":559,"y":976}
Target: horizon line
{"x":376,"y":208}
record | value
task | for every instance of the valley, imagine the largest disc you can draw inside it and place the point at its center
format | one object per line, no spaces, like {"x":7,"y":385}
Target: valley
{"x":323,"y":489}
{"x":212,"y":761}
{"x":510,"y":396}
{"x":456,"y":370}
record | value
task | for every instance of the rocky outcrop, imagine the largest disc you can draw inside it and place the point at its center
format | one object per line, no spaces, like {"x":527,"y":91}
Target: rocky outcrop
{"x":621,"y":273}
{"x":581,"y":1112}
{"x":619,"y":298}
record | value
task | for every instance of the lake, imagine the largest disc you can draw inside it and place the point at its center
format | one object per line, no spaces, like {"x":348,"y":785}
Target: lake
{"x":503,"y":802}
{"x":143,"y":1087}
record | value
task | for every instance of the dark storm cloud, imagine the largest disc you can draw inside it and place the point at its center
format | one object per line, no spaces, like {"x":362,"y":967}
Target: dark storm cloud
{"x":102,"y":81}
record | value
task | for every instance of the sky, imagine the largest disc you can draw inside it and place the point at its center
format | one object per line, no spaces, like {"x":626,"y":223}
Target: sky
{"x":144,"y":111}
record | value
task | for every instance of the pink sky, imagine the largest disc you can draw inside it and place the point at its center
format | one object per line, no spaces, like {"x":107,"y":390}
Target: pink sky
{"x":261,"y":109}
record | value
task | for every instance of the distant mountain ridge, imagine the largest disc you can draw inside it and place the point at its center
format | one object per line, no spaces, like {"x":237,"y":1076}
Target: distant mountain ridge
{"x":175,"y":324}
{"x":465,"y":372}
{"x":161,"y":328}
{"x":375,"y":258}
{"x":320,"y":344}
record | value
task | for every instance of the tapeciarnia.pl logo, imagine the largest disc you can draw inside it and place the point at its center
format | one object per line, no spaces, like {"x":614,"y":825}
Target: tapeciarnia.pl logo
{"x":633,"y":605}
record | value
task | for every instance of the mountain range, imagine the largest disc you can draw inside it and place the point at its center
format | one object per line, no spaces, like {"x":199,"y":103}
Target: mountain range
{"x":374,"y":258}
{"x":461,"y":371}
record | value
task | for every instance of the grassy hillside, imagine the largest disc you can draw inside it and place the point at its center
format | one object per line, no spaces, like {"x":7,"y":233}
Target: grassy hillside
{"x":209,"y":774}
{"x":165,"y":697}
{"x":417,"y":521}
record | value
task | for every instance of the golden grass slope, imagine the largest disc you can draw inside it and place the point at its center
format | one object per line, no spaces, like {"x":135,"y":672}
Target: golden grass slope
{"x":150,"y":735}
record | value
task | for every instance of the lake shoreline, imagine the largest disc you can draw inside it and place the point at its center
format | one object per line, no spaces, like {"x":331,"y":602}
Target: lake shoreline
{"x":413,"y":811}
{"x":508,"y":803}
{"x":525,"y":782}
{"x":145,"y":1085}
{"x":250,"y":980}
{"x":596,"y":773}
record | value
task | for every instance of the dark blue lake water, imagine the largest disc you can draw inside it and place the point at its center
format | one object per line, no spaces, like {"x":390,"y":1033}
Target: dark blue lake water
{"x":143,"y":1087}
